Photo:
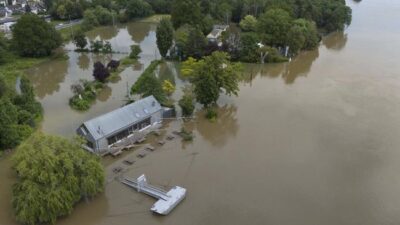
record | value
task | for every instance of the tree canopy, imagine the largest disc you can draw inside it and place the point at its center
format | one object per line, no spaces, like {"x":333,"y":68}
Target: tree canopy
{"x":213,"y":75}
{"x":34,"y":37}
{"x":18,"y":113}
{"x":138,"y":9}
{"x":54,"y":174}
{"x":165,"y":36}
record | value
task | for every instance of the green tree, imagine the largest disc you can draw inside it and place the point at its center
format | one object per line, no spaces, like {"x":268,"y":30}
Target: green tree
{"x":3,"y":86}
{"x":213,"y":75}
{"x":186,"y":12}
{"x":248,"y":47}
{"x":182,"y":39}
{"x":138,"y":9}
{"x":34,"y":37}
{"x":148,"y":84}
{"x":165,"y":36}
{"x":335,"y":15}
{"x":54,"y":174}
{"x":89,"y":20}
{"x":135,"y":51}
{"x":274,"y":26}
{"x":80,"y":40}
{"x":248,"y":23}
{"x":187,"y":103}
{"x":104,"y":16}
{"x":196,"y":43}
{"x":3,"y":49}
{"x":303,"y":35}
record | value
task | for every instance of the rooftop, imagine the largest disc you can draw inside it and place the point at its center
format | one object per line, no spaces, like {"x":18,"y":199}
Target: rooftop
{"x":116,"y":120}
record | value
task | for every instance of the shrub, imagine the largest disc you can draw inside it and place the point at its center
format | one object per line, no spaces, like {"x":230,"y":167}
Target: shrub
{"x":186,"y":135}
{"x":168,"y":87}
{"x":100,"y":72}
{"x":135,"y":51}
{"x":113,"y":65}
{"x":211,"y":114}
{"x":80,"y":40}
{"x":187,"y":104}
{"x":78,"y":103}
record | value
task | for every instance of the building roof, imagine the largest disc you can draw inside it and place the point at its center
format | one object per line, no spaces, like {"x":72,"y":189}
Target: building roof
{"x":217,"y":31}
{"x":119,"y":119}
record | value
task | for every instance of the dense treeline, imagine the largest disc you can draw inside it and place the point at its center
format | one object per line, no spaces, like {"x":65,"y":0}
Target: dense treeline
{"x":19,"y":113}
{"x":268,"y":28}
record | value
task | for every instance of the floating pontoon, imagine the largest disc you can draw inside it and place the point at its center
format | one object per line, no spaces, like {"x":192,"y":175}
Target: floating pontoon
{"x":166,"y":200}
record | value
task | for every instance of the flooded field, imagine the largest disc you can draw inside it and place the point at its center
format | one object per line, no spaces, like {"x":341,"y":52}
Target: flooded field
{"x":312,"y":141}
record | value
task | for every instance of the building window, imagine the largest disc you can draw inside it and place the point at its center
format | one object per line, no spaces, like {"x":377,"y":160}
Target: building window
{"x":125,"y":133}
{"x":90,"y":144}
{"x":144,"y":123}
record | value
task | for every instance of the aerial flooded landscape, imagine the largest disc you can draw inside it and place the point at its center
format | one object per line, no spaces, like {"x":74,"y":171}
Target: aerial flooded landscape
{"x":204,"y":112}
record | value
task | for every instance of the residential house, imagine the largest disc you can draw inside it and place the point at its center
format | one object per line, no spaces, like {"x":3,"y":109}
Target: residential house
{"x":215,"y":35}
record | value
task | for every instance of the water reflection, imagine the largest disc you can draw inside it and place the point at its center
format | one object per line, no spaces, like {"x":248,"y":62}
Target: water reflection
{"x":165,"y":73}
{"x":47,"y":78}
{"x":139,"y":31}
{"x":299,"y":66}
{"x":104,"y":94}
{"x":104,"y":33}
{"x":335,"y":41}
{"x":137,"y":66}
{"x":219,"y":131}
{"x":84,"y":61}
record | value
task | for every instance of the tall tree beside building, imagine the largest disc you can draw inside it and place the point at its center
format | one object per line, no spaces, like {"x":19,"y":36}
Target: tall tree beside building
{"x":54,"y":174}
{"x":196,"y":43}
{"x":34,"y":37}
{"x":165,"y":36}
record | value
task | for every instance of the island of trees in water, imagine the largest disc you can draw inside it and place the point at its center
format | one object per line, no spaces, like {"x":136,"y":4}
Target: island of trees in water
{"x":259,"y":31}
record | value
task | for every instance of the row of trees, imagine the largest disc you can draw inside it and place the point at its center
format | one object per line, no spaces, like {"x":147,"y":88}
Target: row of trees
{"x":267,"y":29}
{"x":103,"y":10}
{"x":330,"y":15}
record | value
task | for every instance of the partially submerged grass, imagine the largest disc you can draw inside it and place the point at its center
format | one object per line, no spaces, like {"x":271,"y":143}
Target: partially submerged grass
{"x":155,"y":18}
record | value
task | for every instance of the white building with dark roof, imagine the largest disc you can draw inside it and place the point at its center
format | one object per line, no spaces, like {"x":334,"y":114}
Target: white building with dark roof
{"x":131,"y":122}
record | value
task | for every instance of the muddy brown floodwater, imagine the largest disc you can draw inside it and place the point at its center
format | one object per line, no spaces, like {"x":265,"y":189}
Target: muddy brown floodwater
{"x":313,"y":141}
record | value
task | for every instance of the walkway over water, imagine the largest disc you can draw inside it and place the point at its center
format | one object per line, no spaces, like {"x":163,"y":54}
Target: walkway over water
{"x":167,"y":200}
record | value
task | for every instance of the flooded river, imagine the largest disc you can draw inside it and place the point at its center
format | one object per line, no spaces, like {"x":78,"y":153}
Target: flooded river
{"x":313,"y":141}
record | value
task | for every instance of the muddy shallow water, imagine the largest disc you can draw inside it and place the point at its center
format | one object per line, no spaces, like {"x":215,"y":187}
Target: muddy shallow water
{"x":313,"y":141}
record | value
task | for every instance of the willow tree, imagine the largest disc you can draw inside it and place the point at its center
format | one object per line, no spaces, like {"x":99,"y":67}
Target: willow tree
{"x":53,"y":175}
{"x":213,"y":75}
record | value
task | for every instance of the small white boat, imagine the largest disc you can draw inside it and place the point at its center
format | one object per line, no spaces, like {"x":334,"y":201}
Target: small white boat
{"x":166,"y":200}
